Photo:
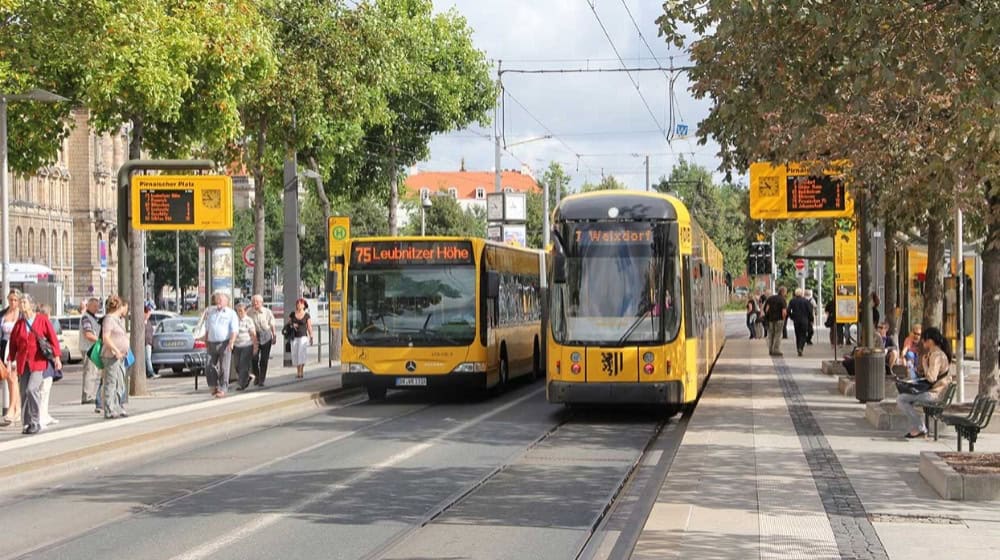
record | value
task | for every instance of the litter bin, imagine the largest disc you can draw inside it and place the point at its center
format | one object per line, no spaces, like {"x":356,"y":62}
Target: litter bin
{"x":869,"y":374}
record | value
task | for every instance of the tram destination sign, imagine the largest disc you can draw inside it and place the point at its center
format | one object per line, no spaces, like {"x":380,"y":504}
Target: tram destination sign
{"x":399,"y":253}
{"x":180,"y":202}
{"x":790,"y":191}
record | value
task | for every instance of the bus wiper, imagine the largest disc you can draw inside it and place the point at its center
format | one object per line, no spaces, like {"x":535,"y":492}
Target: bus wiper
{"x":638,"y":321}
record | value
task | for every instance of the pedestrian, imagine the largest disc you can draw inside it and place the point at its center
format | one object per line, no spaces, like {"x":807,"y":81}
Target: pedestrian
{"x":761,"y":318}
{"x":244,"y":347}
{"x":302,"y":335}
{"x":753,"y":310}
{"x":90,"y":332}
{"x":263,"y":321}
{"x":8,"y":318}
{"x":221,"y":328}
{"x":910,"y":351}
{"x":836,"y":329}
{"x":800,"y":312}
{"x":35,"y":347}
{"x":875,"y":313}
{"x":935,"y":376}
{"x":148,"y":331}
{"x":47,"y":378}
{"x":775,"y":313}
{"x":114,"y":354}
{"x":812,"y":314}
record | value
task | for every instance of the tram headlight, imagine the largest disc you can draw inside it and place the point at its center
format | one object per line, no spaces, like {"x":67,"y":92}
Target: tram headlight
{"x":648,"y":357}
{"x":575,"y":357}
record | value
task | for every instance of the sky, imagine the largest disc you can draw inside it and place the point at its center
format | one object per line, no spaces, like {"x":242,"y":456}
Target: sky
{"x":599,"y":117}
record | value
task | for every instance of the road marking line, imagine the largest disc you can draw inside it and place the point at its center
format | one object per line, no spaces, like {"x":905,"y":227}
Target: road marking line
{"x":266,"y":520}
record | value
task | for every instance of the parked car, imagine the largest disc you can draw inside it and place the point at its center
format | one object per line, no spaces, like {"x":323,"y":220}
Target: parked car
{"x":173,"y":339}
{"x":157,"y":317}
{"x":68,"y":331}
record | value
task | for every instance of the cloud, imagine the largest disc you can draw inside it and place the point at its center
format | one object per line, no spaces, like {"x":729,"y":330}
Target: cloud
{"x":598,"y":117}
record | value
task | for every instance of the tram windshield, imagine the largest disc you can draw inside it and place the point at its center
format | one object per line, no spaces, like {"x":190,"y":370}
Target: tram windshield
{"x":622,"y":284}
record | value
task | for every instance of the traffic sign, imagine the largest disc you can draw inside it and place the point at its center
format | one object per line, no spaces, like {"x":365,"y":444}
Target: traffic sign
{"x":249,"y":255}
{"x":339,"y":230}
{"x":182,"y":202}
{"x":800,"y":264}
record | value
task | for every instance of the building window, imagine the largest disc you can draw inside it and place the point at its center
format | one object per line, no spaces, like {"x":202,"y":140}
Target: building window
{"x":31,"y":244}
{"x":425,"y":193}
{"x":19,"y":244}
{"x":55,"y":249}
{"x":43,"y":245}
{"x":480,"y":193}
{"x":66,"y":248}
{"x":453,"y":192}
{"x":508,"y":189}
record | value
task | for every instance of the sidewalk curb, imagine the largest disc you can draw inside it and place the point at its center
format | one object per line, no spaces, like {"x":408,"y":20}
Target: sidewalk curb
{"x":40,"y":470}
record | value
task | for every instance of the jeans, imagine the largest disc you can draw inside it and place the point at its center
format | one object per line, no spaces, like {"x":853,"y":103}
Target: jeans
{"x":752,"y":324}
{"x":149,"y":361}
{"x":905,"y":404}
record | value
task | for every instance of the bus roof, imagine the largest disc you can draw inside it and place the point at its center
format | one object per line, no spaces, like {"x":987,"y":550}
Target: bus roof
{"x":631,"y":205}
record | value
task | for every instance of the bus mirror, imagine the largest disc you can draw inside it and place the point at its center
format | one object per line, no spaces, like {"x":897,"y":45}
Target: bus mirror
{"x":492,"y":285}
{"x":558,"y":267}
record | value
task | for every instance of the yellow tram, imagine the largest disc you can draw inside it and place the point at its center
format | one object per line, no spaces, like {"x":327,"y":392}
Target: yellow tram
{"x":636,"y":291}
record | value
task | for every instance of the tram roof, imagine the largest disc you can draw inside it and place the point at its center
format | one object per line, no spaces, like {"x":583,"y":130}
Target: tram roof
{"x":631,"y":205}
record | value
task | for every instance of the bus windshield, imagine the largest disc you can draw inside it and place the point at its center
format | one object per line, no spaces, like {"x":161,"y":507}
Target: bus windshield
{"x":621,"y":284}
{"x":419,"y":305}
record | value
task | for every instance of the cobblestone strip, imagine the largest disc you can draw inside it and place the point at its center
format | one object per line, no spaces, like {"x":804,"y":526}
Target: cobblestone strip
{"x":856,"y":537}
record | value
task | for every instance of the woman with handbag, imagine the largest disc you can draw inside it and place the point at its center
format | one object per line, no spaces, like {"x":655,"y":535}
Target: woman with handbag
{"x":8,"y":318}
{"x":935,"y":376}
{"x":35,"y":347}
{"x":299,"y":328}
{"x":114,"y":350}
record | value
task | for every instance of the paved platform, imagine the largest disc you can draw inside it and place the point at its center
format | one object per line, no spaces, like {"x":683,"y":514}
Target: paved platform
{"x":776,"y":463}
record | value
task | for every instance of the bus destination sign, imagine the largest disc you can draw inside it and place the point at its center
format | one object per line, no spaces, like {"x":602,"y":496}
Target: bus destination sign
{"x":814,"y":194}
{"x":166,"y":206}
{"x":396,"y":253}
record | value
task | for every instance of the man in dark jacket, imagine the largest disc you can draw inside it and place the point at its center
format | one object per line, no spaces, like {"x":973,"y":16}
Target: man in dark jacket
{"x":800,"y":312}
{"x":775,"y":313}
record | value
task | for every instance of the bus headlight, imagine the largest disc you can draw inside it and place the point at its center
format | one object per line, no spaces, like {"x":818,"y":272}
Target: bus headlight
{"x":355,"y":367}
{"x":470,"y":367}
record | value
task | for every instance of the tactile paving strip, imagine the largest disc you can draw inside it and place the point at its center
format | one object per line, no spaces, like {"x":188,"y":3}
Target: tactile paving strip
{"x":855,"y":535}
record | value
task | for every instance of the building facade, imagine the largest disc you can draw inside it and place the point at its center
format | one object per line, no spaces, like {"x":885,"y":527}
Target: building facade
{"x":468,"y":187}
{"x":64,"y":214}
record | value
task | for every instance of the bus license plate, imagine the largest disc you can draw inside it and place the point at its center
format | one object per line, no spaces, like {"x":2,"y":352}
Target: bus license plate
{"x":411,"y":382}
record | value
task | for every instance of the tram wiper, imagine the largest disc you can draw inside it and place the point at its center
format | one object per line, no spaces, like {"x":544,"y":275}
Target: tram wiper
{"x":638,"y":321}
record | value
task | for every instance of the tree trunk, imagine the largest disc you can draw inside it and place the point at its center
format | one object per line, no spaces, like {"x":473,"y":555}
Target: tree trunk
{"x":393,"y":198}
{"x":989,"y":323}
{"x":866,"y":338}
{"x":892,"y":305}
{"x":934,"y":281}
{"x":259,"y":230}
{"x":137,"y":342}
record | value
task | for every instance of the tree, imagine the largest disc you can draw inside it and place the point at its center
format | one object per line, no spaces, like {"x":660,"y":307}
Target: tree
{"x":176,"y":79}
{"x":901,"y":90}
{"x":557,"y":182}
{"x":608,"y":183}
{"x":445,"y":217}
{"x":162,"y":260}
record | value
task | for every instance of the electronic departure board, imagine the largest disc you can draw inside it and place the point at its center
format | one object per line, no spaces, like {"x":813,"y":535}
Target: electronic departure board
{"x":814,"y":194}
{"x":182,"y":202}
{"x":166,"y":206}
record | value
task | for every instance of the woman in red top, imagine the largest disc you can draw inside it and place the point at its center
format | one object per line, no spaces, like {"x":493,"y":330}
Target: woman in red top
{"x":31,"y":362}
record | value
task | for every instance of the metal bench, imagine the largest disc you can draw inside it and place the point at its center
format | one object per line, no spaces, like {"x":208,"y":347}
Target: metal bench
{"x":197,"y":364}
{"x":935,"y":410}
{"x":977,"y":420}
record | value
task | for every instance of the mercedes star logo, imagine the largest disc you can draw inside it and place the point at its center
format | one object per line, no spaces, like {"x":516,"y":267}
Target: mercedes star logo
{"x":411,"y":366}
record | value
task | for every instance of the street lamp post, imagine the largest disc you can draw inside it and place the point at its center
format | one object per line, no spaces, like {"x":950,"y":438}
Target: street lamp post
{"x":41,"y":96}
{"x":425,"y":205}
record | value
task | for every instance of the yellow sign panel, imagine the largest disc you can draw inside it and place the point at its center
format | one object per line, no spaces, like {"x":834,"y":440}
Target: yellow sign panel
{"x":339,"y":232}
{"x":845,"y":275}
{"x":182,"y":202}
{"x":788,"y":191}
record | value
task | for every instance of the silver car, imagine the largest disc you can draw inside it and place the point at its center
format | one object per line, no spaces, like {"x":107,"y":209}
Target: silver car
{"x":172,"y":340}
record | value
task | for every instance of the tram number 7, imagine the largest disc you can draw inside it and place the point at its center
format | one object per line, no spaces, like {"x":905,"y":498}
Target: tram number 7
{"x":612,"y":363}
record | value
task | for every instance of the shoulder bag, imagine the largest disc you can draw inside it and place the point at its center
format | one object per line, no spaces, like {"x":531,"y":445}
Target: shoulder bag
{"x":95,"y":354}
{"x":43,"y":344}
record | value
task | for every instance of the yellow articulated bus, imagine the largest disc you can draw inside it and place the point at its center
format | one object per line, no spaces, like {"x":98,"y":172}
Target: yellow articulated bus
{"x":437,"y":311}
{"x":636,"y":291}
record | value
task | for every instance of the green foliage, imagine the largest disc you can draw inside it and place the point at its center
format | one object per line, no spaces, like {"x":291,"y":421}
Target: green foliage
{"x":446,"y":217}
{"x":608,"y":183}
{"x":558,"y":182}
{"x":162,"y":258}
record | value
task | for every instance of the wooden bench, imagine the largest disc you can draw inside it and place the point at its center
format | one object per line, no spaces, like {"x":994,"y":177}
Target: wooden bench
{"x":935,"y":410}
{"x":197,"y":364}
{"x":970,"y":426}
